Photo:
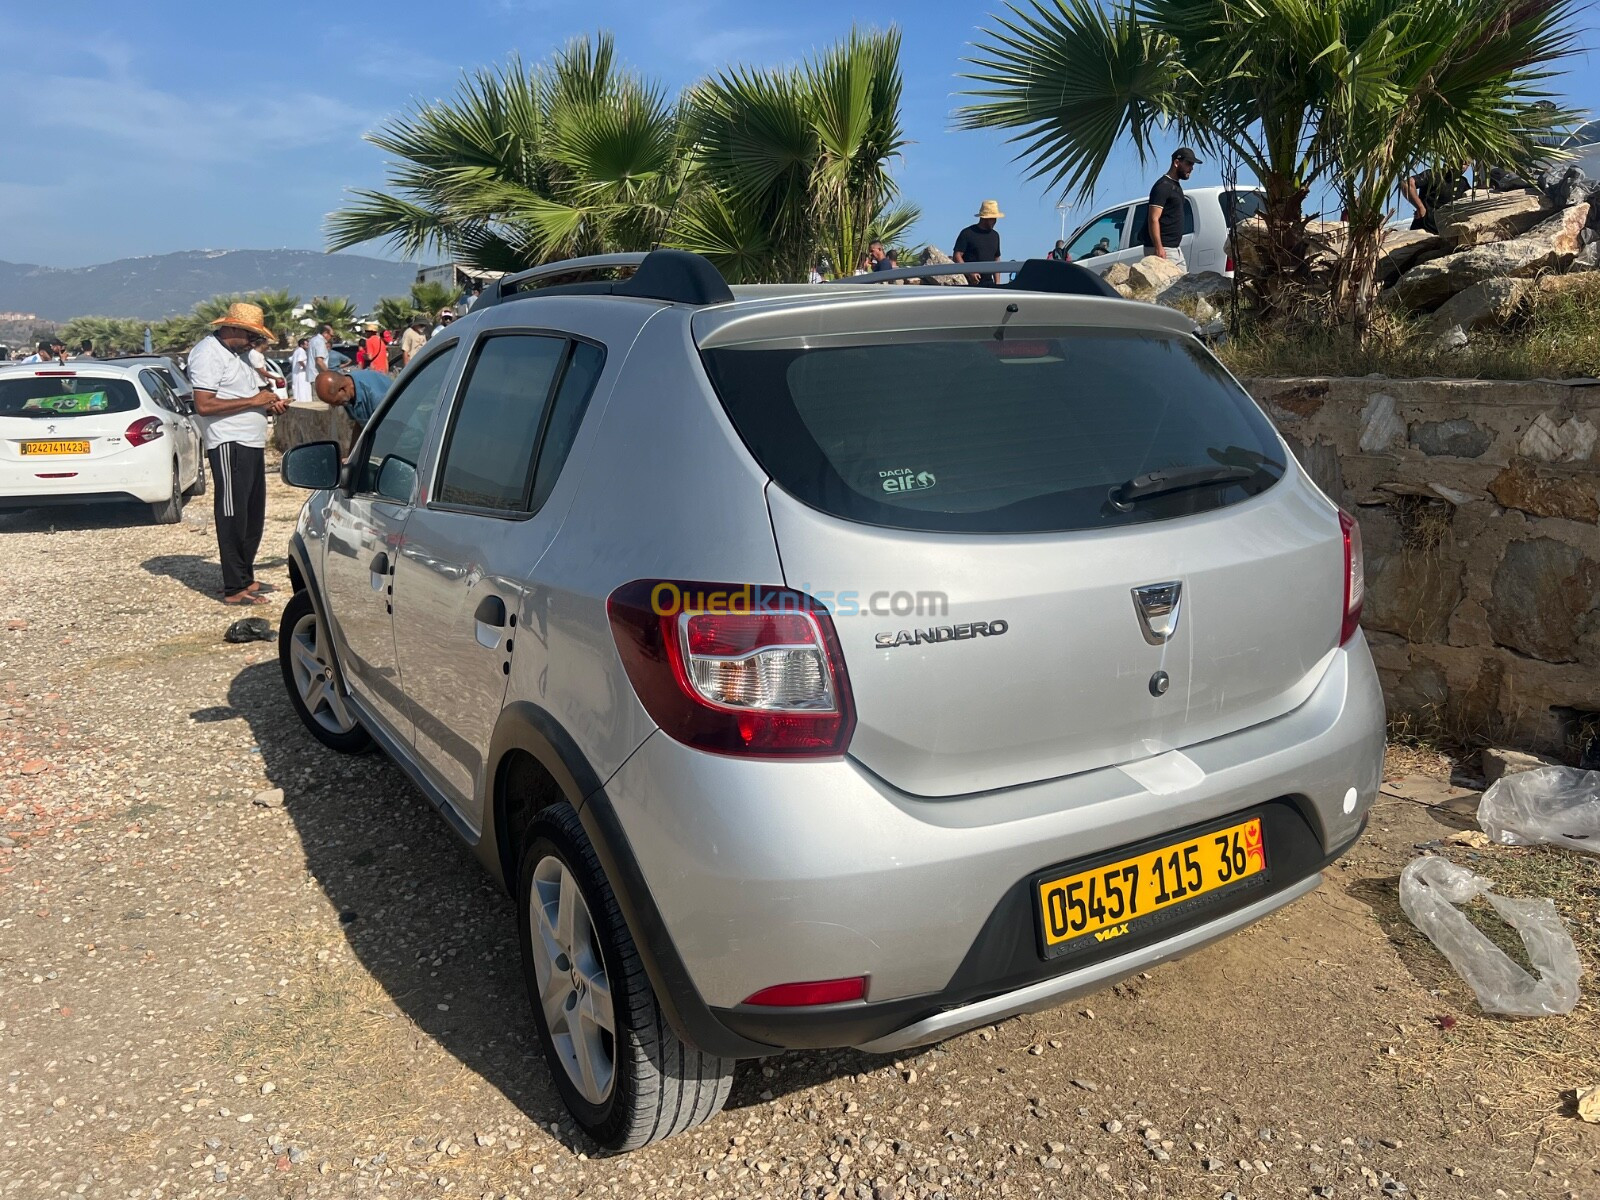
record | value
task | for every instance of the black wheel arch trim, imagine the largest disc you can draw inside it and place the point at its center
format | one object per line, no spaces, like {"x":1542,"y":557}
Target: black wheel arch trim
{"x":526,"y":727}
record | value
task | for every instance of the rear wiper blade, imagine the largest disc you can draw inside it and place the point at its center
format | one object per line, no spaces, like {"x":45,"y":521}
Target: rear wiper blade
{"x":1162,"y":483}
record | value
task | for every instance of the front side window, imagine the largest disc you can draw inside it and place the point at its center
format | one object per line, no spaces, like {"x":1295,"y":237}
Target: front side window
{"x":1103,"y":235}
{"x":398,"y":431}
{"x":494,"y":434}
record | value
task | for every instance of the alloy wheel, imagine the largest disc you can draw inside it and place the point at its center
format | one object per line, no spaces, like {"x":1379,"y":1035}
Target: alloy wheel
{"x":574,"y":992}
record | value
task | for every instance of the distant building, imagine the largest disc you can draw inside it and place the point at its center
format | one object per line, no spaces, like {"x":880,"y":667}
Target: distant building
{"x":457,"y":277}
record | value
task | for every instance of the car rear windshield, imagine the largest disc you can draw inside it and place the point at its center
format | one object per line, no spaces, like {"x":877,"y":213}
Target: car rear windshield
{"x":1045,"y":430}
{"x":55,"y":396}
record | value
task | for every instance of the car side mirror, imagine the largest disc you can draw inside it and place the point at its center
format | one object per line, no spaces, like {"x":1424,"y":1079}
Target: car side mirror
{"x":397,"y":479}
{"x":314,"y":465}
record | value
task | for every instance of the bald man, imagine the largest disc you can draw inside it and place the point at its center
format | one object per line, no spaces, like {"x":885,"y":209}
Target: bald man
{"x":354,"y":389}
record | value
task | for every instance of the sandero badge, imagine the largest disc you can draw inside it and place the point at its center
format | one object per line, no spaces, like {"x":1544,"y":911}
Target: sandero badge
{"x":941,"y":633}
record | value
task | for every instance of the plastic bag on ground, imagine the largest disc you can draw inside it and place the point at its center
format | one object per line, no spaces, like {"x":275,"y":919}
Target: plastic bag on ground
{"x":1559,"y":805}
{"x":1430,"y":889}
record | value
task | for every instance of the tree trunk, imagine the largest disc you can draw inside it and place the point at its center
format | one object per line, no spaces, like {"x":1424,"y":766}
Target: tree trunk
{"x":1283,"y":273}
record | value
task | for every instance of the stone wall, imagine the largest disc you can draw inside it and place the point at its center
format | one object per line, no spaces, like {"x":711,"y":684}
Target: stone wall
{"x":1479,"y":503}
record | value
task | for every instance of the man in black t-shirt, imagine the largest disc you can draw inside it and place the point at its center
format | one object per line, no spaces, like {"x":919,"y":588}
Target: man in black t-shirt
{"x":1428,"y":189}
{"x":1164,"y":230}
{"x":980,"y":242}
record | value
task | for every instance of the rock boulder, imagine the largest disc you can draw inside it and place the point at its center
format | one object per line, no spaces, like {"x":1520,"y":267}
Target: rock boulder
{"x":1153,"y":275}
{"x":1492,"y":218}
{"x":1486,"y":305}
{"x":1550,"y":245}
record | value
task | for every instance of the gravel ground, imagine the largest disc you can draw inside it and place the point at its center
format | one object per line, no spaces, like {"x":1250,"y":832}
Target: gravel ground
{"x":203,"y":995}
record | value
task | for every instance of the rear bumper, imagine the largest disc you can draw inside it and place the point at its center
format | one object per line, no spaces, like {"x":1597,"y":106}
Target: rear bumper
{"x":84,"y":482}
{"x":760,"y":873}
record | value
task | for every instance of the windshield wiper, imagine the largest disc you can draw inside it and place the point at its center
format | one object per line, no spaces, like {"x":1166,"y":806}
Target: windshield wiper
{"x":1163,"y":483}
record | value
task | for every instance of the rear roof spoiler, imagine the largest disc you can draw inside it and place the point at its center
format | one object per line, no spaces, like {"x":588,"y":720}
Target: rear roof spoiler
{"x":1030,"y":275}
{"x":674,"y":276}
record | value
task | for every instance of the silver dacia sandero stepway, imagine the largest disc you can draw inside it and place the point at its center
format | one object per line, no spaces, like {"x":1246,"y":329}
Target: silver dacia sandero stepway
{"x":838,"y":665}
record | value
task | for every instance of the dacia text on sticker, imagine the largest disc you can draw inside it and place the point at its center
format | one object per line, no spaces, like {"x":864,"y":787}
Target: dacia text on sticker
{"x":904,"y":479}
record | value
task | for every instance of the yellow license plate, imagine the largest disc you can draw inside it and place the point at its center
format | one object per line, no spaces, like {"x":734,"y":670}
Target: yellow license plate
{"x":1093,"y":907}
{"x":55,"y":448}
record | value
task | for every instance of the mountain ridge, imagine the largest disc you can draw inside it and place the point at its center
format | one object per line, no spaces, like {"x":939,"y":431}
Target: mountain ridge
{"x":154,"y":286}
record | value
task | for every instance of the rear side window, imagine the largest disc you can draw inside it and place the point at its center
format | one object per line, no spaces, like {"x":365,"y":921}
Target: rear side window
{"x":1240,"y":206}
{"x":566,"y":414}
{"x":1047,"y":430}
{"x":488,"y":459}
{"x":52,"y":396}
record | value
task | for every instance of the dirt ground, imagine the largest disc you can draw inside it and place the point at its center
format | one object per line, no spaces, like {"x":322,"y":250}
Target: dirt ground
{"x":203,"y":996}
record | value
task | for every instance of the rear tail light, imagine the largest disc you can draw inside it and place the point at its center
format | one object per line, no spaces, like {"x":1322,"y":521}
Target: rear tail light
{"x":142,"y":431}
{"x":735,"y":668}
{"x":1355,"y":577}
{"x":1227,"y":265}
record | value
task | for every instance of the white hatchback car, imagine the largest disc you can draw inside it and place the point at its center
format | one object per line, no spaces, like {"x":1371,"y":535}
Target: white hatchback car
{"x":1117,"y":234}
{"x":89,"y":432}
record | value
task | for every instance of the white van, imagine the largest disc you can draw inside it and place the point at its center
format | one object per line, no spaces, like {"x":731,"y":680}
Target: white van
{"x":1117,"y":234}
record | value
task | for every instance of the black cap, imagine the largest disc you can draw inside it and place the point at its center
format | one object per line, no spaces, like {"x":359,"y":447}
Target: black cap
{"x":1186,"y":154}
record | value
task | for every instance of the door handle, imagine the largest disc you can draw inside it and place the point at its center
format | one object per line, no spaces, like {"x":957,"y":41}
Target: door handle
{"x":490,"y":619}
{"x":380,"y":565}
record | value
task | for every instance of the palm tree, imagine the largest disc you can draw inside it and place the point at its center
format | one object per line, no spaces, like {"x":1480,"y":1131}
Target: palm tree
{"x":1449,"y":81}
{"x":526,"y":165}
{"x":337,"y":311}
{"x":1262,"y":81}
{"x":278,"y":309}
{"x":109,"y":335}
{"x":394,"y":312}
{"x":430,"y":297}
{"x":793,"y":163}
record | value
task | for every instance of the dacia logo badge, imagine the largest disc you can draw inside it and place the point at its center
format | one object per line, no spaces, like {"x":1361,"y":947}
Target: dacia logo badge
{"x":1157,"y":606}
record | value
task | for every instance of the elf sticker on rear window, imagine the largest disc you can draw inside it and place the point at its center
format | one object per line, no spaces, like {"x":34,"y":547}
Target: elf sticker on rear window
{"x":904,"y":479}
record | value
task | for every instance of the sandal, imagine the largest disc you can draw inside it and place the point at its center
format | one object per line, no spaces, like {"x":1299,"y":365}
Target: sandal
{"x":260,"y":589}
{"x":242,"y":600}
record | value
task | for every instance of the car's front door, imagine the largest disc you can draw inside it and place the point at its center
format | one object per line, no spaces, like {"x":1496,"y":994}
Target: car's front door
{"x":469,"y":550}
{"x":365,"y":528}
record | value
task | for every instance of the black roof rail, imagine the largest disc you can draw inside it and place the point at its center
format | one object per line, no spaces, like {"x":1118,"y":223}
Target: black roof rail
{"x":675,"y":276}
{"x":1031,"y":275}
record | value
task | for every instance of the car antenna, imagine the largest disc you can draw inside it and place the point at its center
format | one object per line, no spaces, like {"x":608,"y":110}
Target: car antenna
{"x":1000,"y":332}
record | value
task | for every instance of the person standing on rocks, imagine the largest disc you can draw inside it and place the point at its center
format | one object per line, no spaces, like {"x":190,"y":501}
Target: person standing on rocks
{"x":233,"y":407}
{"x":980,"y":242}
{"x":1163,"y":231}
{"x":1427,"y":190}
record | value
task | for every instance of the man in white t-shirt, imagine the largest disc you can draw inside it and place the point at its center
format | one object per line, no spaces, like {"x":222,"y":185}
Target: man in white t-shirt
{"x":233,"y":407}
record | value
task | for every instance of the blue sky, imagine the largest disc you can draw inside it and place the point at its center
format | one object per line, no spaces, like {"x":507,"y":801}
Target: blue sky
{"x":144,"y":128}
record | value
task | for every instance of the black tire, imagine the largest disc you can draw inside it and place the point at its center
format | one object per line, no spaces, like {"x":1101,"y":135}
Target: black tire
{"x":170,"y":510}
{"x":199,"y":488}
{"x":660,"y":1085}
{"x":333,"y":723}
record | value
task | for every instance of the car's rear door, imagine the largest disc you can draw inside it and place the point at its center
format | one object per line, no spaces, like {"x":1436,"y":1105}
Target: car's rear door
{"x":1101,"y":242}
{"x":462,"y":572}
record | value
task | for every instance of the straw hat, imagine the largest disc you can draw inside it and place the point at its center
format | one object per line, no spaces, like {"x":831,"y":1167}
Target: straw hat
{"x":371,"y":327}
{"x":990,"y":208}
{"x":245,"y":316}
